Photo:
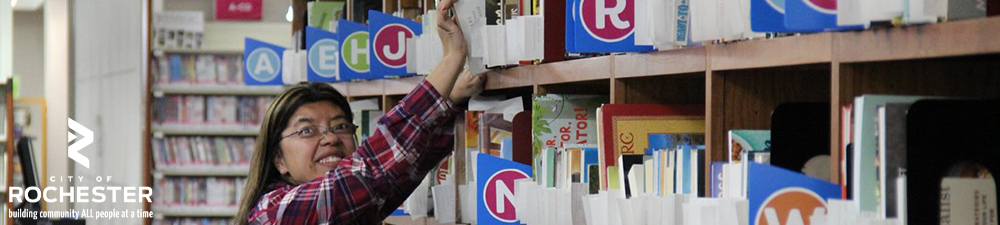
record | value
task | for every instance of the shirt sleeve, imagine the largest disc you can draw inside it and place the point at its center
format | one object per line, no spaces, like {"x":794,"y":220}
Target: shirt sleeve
{"x":410,"y":140}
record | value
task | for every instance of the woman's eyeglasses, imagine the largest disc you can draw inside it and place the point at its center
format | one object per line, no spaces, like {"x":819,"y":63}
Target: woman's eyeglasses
{"x":310,"y":132}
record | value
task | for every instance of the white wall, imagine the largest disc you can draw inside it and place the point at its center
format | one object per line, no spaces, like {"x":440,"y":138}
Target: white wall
{"x":29,"y":64}
{"x":56,"y":28}
{"x":108,"y":95}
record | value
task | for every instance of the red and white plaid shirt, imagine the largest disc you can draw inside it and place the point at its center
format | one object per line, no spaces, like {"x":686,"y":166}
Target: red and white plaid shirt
{"x":368,"y":186}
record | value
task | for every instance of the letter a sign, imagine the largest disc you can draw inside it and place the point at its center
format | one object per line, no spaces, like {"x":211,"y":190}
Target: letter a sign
{"x":605,"y":26}
{"x":495,"y":184}
{"x":388,"y":39}
{"x":263,"y":63}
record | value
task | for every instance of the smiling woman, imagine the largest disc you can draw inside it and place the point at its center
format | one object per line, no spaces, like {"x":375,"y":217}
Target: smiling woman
{"x":308,"y":169}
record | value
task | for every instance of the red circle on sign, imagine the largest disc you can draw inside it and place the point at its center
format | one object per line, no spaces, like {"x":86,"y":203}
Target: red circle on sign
{"x":389,"y":49}
{"x":609,"y":32}
{"x":508,"y":176}
{"x":785,"y":200}
{"x":823,"y":6}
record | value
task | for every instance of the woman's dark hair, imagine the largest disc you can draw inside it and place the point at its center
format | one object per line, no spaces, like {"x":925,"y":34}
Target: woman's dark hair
{"x":263,"y":172}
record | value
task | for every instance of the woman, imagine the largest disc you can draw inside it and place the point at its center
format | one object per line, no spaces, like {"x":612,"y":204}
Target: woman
{"x":307,"y":168}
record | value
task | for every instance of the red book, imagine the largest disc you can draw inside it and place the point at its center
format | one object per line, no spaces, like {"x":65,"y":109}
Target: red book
{"x":625,"y":128}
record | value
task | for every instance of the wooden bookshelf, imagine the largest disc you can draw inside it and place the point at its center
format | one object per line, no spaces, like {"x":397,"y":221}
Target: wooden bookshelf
{"x":741,"y":83}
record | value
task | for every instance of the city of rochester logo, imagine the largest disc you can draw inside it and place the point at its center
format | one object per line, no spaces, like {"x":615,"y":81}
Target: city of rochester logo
{"x":355,"y":52}
{"x":390,"y":45}
{"x":499,"y":194}
{"x":790,"y":206}
{"x":79,"y":137}
{"x":608,"y":20}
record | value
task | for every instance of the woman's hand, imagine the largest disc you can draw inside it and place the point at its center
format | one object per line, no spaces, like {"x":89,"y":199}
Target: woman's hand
{"x":452,"y":38}
{"x":466,"y":86}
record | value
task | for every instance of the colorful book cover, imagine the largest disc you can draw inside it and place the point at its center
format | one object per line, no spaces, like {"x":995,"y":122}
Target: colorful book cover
{"x":605,"y":26}
{"x":263,"y":62}
{"x":321,"y":14}
{"x":560,"y":120}
{"x":495,"y":189}
{"x":814,"y":15}
{"x":388,"y":40}
{"x":590,"y":158}
{"x":741,"y":141}
{"x":789,"y":197}
{"x":717,"y":179}
{"x":323,"y":56}
{"x":354,"y":64}
{"x":627,"y":128}
{"x":865,"y":156}
{"x":472,"y":130}
{"x":493,"y":129}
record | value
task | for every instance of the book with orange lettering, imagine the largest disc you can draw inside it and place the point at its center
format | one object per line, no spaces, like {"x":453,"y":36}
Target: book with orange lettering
{"x":624,"y":129}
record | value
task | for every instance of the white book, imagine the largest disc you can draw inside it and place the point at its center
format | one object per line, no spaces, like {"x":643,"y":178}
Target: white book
{"x":704,"y":22}
{"x":496,"y":46}
{"x":635,"y":180}
{"x":969,"y":201}
{"x":849,"y":13}
{"x":411,"y":59}
{"x":642,"y":30}
{"x":472,"y":17}
{"x":534,"y":37}
{"x":663,"y":24}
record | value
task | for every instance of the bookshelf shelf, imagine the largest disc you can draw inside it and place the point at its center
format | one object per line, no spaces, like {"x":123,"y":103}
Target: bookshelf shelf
{"x":198,"y":170}
{"x":596,"y":68}
{"x":402,"y":86}
{"x":681,"y":61}
{"x":367,"y":88}
{"x":960,"y":38}
{"x":216,"y":130}
{"x":510,"y":78}
{"x":784,"y":51}
{"x":225,"y":51}
{"x":216,"y":89}
{"x":195,"y":211}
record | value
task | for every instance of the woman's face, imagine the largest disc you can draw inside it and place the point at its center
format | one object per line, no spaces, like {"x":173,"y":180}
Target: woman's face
{"x":305,"y":159}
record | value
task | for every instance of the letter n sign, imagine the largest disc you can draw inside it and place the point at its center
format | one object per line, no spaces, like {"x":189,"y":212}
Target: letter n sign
{"x":263,"y":63}
{"x":495,"y":189}
{"x":388,"y":39}
{"x":605,"y":26}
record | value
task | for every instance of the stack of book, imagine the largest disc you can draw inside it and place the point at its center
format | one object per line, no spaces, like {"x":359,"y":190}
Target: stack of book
{"x":197,"y":69}
{"x":205,"y":151}
{"x":198,"y":192}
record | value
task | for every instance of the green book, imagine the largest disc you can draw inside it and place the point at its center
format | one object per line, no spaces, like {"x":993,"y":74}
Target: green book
{"x":324,"y":15}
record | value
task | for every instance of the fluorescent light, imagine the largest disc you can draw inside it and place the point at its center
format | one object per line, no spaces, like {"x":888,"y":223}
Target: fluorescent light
{"x":289,"y":16}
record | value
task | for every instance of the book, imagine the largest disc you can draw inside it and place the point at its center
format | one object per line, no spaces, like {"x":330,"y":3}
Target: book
{"x":892,"y":153}
{"x":741,"y":141}
{"x":968,"y":201}
{"x":197,"y":69}
{"x":717,"y":179}
{"x":777,"y":194}
{"x":628,"y":163}
{"x":472,"y":130}
{"x":865,"y":185}
{"x":325,"y":15}
{"x":493,"y":129}
{"x":560,"y":120}
{"x":629,"y":129}
{"x":197,"y":192}
{"x":177,"y":151}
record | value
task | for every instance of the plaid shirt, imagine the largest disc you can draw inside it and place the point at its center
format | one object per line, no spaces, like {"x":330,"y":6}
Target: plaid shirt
{"x":368,"y":186}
